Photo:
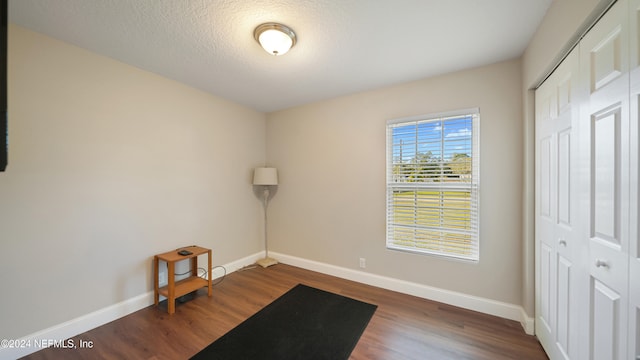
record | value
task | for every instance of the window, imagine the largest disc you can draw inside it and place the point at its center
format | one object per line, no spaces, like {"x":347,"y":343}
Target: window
{"x":432,"y":184}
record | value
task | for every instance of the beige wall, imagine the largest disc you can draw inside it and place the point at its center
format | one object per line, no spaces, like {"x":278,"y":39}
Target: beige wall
{"x":109,"y":165}
{"x":330,"y":205}
{"x":564,"y":22}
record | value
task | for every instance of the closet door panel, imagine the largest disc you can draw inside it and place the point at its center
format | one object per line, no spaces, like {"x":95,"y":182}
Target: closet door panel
{"x":556,"y":202}
{"x":606,"y":59}
{"x":546,"y":113}
{"x":564,"y":178}
{"x":605,"y":178}
{"x":565,"y":222}
{"x":604,"y":136}
{"x":547,"y":305}
{"x":606,"y":322}
{"x":564,"y":316}
{"x":565,"y":205}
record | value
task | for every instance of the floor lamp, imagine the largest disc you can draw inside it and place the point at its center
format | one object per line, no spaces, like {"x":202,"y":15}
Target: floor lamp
{"x":265,"y":177}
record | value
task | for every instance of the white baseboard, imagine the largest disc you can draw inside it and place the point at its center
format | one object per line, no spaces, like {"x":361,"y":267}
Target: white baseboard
{"x":483,"y":305}
{"x":237,"y":265}
{"x":528,"y":323}
{"x":58,"y":333}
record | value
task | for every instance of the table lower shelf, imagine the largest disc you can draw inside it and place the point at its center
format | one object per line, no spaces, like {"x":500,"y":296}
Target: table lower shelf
{"x":184,"y":286}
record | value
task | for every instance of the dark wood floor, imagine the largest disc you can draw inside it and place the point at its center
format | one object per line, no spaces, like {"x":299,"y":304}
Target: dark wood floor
{"x":403,"y":327}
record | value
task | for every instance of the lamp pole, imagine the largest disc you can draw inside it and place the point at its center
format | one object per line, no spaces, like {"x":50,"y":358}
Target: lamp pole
{"x":265,"y":194}
{"x":265,"y":177}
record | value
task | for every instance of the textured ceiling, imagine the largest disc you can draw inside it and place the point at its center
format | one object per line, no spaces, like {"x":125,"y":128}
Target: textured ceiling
{"x":344,"y":46}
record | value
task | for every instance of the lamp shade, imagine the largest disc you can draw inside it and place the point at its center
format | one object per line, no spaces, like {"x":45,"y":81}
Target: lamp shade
{"x":265,"y":176}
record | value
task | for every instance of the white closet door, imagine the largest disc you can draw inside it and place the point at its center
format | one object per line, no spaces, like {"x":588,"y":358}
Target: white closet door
{"x":557,"y":115}
{"x":545,"y":216}
{"x":605,"y":192}
{"x":634,"y":191}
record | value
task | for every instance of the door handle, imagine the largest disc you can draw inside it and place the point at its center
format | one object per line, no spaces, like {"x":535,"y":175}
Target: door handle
{"x":602,"y":263}
{"x":562,"y":242}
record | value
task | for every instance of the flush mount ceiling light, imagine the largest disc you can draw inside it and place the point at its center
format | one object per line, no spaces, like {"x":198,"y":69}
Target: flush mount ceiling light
{"x":276,"y":39}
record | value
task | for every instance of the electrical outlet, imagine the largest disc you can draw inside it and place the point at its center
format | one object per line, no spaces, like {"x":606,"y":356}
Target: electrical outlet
{"x":363,"y":263}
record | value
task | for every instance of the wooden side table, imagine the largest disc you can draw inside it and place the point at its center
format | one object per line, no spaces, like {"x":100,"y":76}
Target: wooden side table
{"x":175,"y":288}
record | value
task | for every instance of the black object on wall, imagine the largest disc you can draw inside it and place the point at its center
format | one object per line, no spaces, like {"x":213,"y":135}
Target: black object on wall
{"x":4,"y":136}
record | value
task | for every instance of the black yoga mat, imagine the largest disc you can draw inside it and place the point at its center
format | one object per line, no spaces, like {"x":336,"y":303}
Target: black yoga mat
{"x":305,"y":323}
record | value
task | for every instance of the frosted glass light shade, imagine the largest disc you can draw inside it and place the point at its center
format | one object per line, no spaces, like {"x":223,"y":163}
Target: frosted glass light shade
{"x":276,"y":39}
{"x":265,"y":176}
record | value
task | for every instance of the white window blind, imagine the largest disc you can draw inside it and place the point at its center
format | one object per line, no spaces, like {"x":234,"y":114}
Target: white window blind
{"x":433,"y":183}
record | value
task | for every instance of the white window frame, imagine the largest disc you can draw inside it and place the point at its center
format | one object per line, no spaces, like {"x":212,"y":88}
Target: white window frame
{"x":438,"y":233}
